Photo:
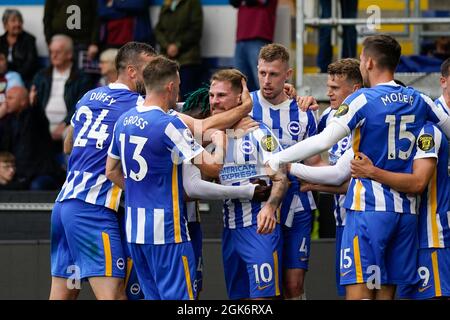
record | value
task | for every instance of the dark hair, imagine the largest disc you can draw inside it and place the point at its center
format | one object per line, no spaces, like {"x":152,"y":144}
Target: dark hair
{"x":348,"y":67}
{"x":11,"y":13}
{"x":234,"y":76}
{"x":274,"y":51}
{"x":384,"y":49}
{"x":197,"y":103}
{"x":158,"y":72}
{"x":445,"y":66}
{"x":130,"y":54}
{"x":6,"y":156}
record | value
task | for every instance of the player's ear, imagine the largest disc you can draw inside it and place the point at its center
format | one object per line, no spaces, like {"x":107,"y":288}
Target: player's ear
{"x":170,"y":86}
{"x":289,"y":73}
{"x":443,"y":82}
{"x":356,"y":86}
{"x":370,"y":63}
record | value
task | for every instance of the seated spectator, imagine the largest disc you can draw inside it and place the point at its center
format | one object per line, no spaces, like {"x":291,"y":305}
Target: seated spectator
{"x":24,"y":133}
{"x":13,"y":79}
{"x":57,"y":89}
{"x":108,"y":66}
{"x":8,"y":180}
{"x":18,"y":46}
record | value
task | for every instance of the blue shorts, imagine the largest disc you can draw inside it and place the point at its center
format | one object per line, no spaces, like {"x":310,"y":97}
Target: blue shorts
{"x":251,"y":263}
{"x":296,"y":241}
{"x":339,"y":287}
{"x":378,"y":248}
{"x":85,"y":241}
{"x":196,"y":235}
{"x":433,"y":276}
{"x":165,"y":272}
{"x":132,"y":285}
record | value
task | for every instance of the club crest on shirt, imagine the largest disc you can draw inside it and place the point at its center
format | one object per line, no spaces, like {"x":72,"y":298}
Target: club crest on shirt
{"x":247,"y":147}
{"x":294,"y":128}
{"x":342,"y":110}
{"x":187,"y":134}
{"x":268,"y":143}
{"x":425,"y":142}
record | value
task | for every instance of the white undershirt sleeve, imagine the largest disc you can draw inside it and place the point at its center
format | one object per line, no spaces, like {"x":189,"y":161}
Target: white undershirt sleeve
{"x":196,"y":188}
{"x":328,"y":175}
{"x":311,"y":146}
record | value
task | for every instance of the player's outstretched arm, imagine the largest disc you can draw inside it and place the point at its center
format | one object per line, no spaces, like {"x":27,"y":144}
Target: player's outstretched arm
{"x":223,"y":120}
{"x":326,"y":175}
{"x":414,"y":182}
{"x":114,"y":172}
{"x":197,"y":188}
{"x":307,"y":186}
{"x":266,"y":220}
{"x":311,"y":146}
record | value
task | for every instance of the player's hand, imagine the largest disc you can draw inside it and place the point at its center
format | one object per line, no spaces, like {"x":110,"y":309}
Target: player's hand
{"x":306,"y":103}
{"x":290,"y":91}
{"x":361,"y":166}
{"x":243,"y":126}
{"x":270,"y":170}
{"x":306,"y":186}
{"x":219,"y":139}
{"x":172,"y":50}
{"x":246,"y":99}
{"x":266,"y":220}
{"x":262,"y":190}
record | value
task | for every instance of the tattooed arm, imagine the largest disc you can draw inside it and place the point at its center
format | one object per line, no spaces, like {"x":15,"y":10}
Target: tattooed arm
{"x":266,"y":217}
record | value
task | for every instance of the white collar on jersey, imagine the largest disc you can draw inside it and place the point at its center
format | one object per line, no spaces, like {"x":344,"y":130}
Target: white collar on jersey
{"x":390,"y":83}
{"x":142,"y":108}
{"x":444,"y":103}
{"x":118,"y":85}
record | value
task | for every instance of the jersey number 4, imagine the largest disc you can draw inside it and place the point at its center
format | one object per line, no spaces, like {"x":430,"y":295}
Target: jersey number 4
{"x":97,"y":131}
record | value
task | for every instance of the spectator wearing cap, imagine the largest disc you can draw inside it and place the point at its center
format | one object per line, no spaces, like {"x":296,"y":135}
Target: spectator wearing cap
{"x":18,"y":46}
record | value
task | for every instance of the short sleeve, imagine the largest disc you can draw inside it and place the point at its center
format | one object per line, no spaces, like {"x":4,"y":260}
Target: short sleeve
{"x":428,"y":142}
{"x":350,"y":112}
{"x":266,"y":142}
{"x":179,"y":140}
{"x":114,"y":149}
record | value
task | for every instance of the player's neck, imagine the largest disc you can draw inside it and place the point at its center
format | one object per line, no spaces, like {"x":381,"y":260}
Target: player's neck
{"x":123,"y":80}
{"x":381,"y":77}
{"x":282,"y":97}
{"x":158,"y":100}
{"x":446,"y":97}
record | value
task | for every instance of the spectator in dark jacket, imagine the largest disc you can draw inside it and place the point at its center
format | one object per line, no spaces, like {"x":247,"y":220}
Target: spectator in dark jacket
{"x":24,"y":133}
{"x":57,"y":89}
{"x":124,"y":21}
{"x":18,"y":46}
{"x":178,"y":33}
{"x":59,"y":20}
